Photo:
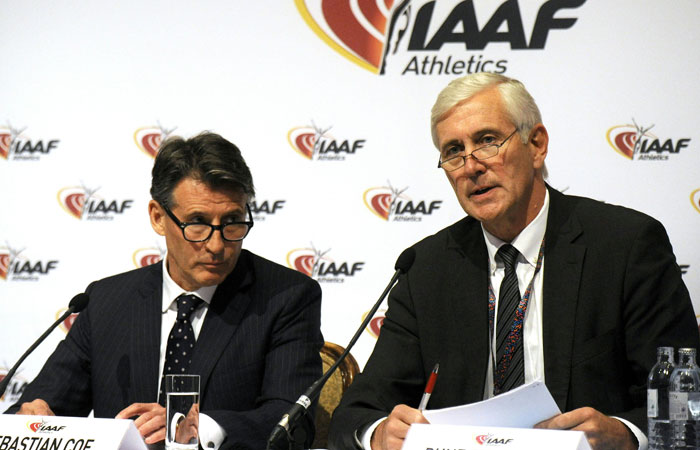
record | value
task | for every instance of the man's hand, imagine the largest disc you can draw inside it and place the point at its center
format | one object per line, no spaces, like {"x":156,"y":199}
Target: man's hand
{"x":602,"y":432}
{"x":150,"y":421}
{"x":389,"y":435}
{"x":187,"y":429}
{"x":37,"y":407}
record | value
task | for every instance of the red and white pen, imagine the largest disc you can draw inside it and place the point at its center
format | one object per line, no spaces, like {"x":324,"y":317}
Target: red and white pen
{"x":429,"y":388}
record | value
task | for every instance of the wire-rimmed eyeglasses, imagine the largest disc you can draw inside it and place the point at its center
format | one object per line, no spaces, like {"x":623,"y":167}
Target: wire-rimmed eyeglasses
{"x":200,"y":232}
{"x":484,"y":152}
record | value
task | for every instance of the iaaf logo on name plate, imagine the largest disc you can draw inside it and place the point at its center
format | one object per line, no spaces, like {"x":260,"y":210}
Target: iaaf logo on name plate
{"x":695,"y":199}
{"x":261,"y":210}
{"x":44,"y":427}
{"x":391,"y":204}
{"x":14,"y":389}
{"x":148,"y":139}
{"x":316,"y":264}
{"x":490,"y":440}
{"x":83,"y":203}
{"x":16,"y":267}
{"x":419,"y":37}
{"x":146,"y":256}
{"x":375,"y":325}
{"x":313,"y":142}
{"x":635,"y":142}
{"x":15,"y":145}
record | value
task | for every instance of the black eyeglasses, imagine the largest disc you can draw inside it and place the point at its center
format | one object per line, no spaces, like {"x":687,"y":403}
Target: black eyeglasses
{"x":200,"y":232}
{"x":484,"y":152}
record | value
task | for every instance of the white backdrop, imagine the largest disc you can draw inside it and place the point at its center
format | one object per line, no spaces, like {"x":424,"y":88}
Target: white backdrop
{"x":88,"y":89}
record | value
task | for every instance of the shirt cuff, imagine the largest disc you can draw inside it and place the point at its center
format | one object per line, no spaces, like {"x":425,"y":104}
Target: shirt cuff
{"x":365,"y":440}
{"x":641,"y":437}
{"x":211,"y":435}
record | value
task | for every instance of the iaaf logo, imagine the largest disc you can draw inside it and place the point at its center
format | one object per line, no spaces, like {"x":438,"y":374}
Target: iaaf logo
{"x":410,"y":35}
{"x":15,"y":267}
{"x":375,"y":325}
{"x":315,"y":143}
{"x":68,"y":321}
{"x":148,"y":139}
{"x":261,"y":210}
{"x":635,"y":142}
{"x":389,"y":203}
{"x":82,"y":203}
{"x":490,"y":439}
{"x":14,"y":389}
{"x":16,"y":146}
{"x":44,"y":427}
{"x":146,"y":256}
{"x":695,"y":199}
{"x":316,"y":264}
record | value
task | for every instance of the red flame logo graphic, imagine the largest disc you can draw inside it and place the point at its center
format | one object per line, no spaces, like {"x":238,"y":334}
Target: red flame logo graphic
{"x":35,"y":426}
{"x":146,"y":256}
{"x":354,"y":28}
{"x":5,"y":141}
{"x":302,"y":139}
{"x":304,"y":264}
{"x":148,"y":140}
{"x":623,"y":138}
{"x":4,"y":265}
{"x":481,"y":439}
{"x":304,"y":259}
{"x":72,"y":199}
{"x":68,"y":321}
{"x":379,"y":199}
{"x":695,"y":199}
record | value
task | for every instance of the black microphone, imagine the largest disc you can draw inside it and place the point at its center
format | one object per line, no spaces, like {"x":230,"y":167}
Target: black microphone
{"x":77,"y":304}
{"x":283,"y":436}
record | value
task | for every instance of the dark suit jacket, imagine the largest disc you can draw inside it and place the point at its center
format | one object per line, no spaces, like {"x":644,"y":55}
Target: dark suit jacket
{"x":257,"y":350}
{"x":612,"y":294}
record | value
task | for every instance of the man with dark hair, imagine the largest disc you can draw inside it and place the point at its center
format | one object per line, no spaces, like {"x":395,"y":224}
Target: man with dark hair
{"x":532,"y":285}
{"x":256,"y":324}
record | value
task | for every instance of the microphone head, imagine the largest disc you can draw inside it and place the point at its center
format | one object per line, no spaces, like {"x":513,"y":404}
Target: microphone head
{"x":405,"y":260}
{"x":79,"y":302}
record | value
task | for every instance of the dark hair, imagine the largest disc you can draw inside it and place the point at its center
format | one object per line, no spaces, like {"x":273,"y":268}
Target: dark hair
{"x":206,"y":157}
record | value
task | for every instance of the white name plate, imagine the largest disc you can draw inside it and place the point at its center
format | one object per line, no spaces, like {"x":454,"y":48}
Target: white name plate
{"x":462,"y":437}
{"x":67,"y":433}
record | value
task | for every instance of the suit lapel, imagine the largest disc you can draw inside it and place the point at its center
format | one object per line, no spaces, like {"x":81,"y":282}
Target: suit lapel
{"x":469,"y":302}
{"x":227,"y":307}
{"x":563,"y":264}
{"x":146,"y":319}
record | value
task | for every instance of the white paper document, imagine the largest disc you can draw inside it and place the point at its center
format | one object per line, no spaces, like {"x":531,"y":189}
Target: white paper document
{"x":521,"y":407}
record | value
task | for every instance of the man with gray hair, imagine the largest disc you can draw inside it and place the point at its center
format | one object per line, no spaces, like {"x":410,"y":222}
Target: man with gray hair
{"x":255,"y":324}
{"x":531,"y":285}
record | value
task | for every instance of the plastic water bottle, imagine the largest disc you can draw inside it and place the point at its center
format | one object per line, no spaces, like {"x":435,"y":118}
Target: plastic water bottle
{"x":658,"y":383}
{"x":684,"y":401}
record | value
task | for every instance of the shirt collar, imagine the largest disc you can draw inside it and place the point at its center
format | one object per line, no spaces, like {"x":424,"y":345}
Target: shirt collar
{"x":171,"y":290}
{"x":527,"y":242}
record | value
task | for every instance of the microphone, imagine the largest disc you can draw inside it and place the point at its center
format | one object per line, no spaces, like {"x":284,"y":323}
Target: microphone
{"x":283,"y":435}
{"x":77,"y":304}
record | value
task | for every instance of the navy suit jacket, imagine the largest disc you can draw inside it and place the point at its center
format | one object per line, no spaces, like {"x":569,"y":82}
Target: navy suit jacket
{"x":257,"y":350}
{"x":612,"y":293}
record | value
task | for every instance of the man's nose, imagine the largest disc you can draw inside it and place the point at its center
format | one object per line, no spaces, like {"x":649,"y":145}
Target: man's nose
{"x":216,"y":243}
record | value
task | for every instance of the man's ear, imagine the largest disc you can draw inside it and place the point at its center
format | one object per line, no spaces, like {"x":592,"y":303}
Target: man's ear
{"x":157,"y":215}
{"x":538,"y":144}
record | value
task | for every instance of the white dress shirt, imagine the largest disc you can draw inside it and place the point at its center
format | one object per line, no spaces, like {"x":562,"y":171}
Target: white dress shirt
{"x":211,"y":435}
{"x":528,"y":245}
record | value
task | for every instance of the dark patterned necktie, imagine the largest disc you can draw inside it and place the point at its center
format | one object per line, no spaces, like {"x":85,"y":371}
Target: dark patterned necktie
{"x":510,"y":365}
{"x":178,"y":353}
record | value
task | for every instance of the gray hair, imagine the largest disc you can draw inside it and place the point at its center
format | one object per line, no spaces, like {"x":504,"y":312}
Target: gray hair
{"x":519,"y":104}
